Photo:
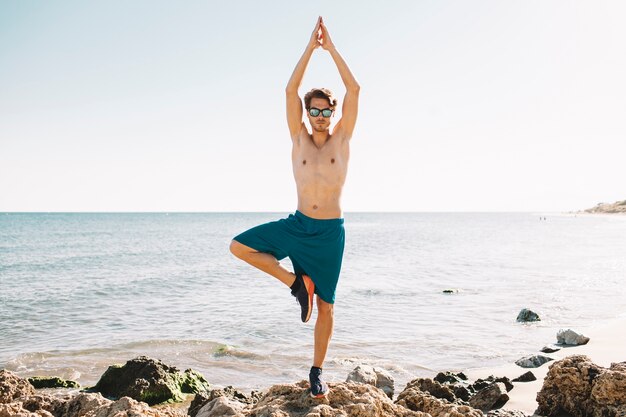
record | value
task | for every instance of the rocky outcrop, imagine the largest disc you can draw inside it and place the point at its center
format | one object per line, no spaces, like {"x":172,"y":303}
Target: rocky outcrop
{"x":349,"y":399}
{"x":571,"y":338}
{"x":13,"y":387}
{"x":149,"y":380}
{"x":532,"y":361}
{"x":374,"y":376}
{"x":577,"y":386}
{"x":526,"y":315}
{"x":413,"y":398}
{"x":52,"y":382}
{"x":81,"y":405}
{"x":609,"y":208}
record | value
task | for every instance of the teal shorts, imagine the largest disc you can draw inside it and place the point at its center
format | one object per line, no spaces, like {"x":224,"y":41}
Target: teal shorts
{"x":314,"y":246}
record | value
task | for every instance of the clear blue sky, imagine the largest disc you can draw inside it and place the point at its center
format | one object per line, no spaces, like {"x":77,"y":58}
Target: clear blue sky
{"x":179,"y":106}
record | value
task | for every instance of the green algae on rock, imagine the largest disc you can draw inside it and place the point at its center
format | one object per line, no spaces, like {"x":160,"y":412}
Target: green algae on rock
{"x":151,"y":381}
{"x":52,"y":382}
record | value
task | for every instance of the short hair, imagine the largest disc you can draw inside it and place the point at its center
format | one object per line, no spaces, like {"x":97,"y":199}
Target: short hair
{"x":320,"y":93}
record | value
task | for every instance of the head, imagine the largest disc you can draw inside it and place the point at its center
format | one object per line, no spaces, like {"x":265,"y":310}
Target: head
{"x":320,"y":98}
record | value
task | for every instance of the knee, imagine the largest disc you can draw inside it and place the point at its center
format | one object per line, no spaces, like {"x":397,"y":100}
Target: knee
{"x":324,"y":309}
{"x":237,"y":249}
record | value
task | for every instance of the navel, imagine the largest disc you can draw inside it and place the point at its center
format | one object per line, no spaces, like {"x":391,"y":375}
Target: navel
{"x":314,"y":207}
{"x":304,"y":162}
{"x":332,"y":161}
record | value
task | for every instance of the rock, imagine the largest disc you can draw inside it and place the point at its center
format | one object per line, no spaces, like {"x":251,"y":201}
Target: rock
{"x":222,"y":407}
{"x":526,"y":377}
{"x":374,"y":376}
{"x":450,"y":291}
{"x":570,"y":337}
{"x":433,"y":388}
{"x":415,"y":399}
{"x":13,"y":387}
{"x":526,"y":315}
{"x":230,"y":393}
{"x":532,"y":361}
{"x":481,"y":384}
{"x":550,"y":349}
{"x":149,"y":380}
{"x":52,"y":382}
{"x":450,"y":377}
{"x":493,"y":396}
{"x":581,"y":388}
{"x":16,"y":409}
{"x":346,"y":399}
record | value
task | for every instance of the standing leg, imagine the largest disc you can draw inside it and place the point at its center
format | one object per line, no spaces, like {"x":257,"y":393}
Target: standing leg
{"x":323,"y":331}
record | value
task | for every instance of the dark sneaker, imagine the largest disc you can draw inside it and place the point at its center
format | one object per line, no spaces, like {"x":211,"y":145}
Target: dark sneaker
{"x":304,"y":289}
{"x":319,"y":389}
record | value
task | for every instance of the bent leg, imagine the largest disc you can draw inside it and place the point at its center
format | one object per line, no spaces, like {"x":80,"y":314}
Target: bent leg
{"x":266,"y":262}
{"x":323,"y":331}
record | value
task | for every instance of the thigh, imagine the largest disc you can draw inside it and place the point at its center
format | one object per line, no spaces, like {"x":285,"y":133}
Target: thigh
{"x":272,"y":237}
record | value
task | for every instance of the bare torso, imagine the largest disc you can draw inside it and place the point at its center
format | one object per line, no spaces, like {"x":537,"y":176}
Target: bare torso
{"x":320,"y":173}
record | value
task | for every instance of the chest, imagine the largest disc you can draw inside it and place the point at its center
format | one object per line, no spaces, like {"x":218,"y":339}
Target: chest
{"x":332,"y":156}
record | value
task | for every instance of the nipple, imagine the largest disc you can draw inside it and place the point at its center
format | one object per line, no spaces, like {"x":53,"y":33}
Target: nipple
{"x":304,"y":162}
{"x":332,"y":161}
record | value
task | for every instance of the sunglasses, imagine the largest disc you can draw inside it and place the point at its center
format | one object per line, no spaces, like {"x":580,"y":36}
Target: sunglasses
{"x":316,"y":112}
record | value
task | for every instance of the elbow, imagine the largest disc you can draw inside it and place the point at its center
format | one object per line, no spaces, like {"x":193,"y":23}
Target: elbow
{"x":355,"y":88}
{"x":291,"y":89}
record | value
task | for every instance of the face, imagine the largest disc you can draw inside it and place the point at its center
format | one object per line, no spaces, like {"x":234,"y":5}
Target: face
{"x":320,"y":123}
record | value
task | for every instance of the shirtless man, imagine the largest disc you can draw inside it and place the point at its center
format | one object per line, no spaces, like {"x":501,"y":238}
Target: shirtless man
{"x":312,"y":237}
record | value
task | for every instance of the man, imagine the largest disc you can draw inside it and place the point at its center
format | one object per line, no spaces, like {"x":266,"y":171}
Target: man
{"x":313,"y":237}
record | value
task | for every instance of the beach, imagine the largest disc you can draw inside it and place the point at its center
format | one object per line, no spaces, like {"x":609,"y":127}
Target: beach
{"x":607,"y":345}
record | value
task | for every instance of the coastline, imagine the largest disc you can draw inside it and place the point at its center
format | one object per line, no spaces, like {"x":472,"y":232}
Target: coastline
{"x":607,"y":345}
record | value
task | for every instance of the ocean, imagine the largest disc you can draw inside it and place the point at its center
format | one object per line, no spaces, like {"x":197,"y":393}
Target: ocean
{"x":81,"y":291}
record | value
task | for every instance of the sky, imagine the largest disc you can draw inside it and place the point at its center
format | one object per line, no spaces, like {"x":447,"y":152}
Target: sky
{"x":179,"y":106}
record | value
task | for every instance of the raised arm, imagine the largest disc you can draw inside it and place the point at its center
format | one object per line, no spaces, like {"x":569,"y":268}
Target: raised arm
{"x":294,"y":102}
{"x":350,"y":107}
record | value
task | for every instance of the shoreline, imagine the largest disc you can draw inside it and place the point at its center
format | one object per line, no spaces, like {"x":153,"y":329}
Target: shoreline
{"x":607,"y":345}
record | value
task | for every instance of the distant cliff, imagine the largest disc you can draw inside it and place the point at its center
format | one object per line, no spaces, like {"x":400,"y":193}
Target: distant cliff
{"x":617,"y":207}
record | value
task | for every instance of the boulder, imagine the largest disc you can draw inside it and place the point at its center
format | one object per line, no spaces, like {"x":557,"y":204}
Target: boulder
{"x":52,"y":382}
{"x":577,"y":386}
{"x":230,"y":393}
{"x":526,"y":377}
{"x":374,"y":376}
{"x":13,"y":387}
{"x":532,"y":361}
{"x":413,"y":398}
{"x":346,"y":399}
{"x":526,"y":315}
{"x":492,"y":396}
{"x":222,"y":407}
{"x":149,"y":380}
{"x":571,"y":338}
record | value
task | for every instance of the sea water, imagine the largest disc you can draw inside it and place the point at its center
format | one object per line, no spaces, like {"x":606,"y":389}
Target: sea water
{"x":81,"y":291}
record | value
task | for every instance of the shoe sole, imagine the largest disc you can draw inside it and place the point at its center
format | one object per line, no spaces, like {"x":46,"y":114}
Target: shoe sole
{"x":310,"y":289}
